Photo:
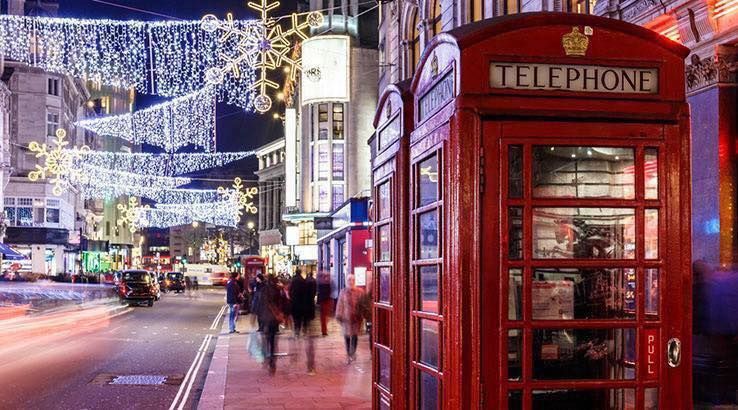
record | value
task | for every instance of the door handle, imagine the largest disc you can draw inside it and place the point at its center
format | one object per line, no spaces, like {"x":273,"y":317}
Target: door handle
{"x":674,"y":352}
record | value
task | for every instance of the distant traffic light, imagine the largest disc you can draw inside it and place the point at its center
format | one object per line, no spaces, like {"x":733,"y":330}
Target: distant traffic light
{"x":238,"y":264}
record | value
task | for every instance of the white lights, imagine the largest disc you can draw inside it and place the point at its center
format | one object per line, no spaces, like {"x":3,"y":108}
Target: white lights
{"x":161,"y":164}
{"x":58,"y":162}
{"x":188,"y":120}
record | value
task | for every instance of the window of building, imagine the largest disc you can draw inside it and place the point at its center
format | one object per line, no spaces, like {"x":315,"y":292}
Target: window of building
{"x":324,"y":161}
{"x":52,"y":211}
{"x":324,"y":197}
{"x":52,"y":123}
{"x":337,"y":165}
{"x":477,"y":10}
{"x":580,"y":6}
{"x":505,"y":7}
{"x":437,"y":18}
{"x":337,"y":195}
{"x":53,"y":86}
{"x":338,"y":121}
{"x":415,"y":43}
{"x":322,"y":112}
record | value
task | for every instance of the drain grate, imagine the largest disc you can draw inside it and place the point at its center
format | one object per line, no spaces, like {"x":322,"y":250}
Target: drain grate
{"x":140,"y":379}
{"x":137,"y":379}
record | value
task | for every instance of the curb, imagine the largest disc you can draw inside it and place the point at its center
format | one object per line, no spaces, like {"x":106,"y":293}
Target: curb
{"x":213,"y":393}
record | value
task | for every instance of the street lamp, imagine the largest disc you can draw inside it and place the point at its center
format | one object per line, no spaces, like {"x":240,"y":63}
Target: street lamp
{"x":195,"y":224}
{"x":250,"y":225}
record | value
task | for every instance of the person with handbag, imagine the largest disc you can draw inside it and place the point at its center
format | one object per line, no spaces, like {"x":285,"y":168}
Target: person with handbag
{"x":270,"y":316}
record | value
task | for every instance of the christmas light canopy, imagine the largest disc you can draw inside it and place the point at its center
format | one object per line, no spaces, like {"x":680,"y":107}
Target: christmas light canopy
{"x":160,"y":164}
{"x":58,"y":163}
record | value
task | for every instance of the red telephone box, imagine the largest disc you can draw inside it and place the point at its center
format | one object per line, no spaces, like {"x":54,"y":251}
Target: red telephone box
{"x":547,"y":245}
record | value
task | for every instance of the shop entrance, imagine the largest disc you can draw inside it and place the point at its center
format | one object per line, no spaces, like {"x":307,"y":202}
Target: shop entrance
{"x":585,"y":265}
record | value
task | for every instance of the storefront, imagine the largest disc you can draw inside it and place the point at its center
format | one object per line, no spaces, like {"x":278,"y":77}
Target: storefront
{"x":532,"y":246}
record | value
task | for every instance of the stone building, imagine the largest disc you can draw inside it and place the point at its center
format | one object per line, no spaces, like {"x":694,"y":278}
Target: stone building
{"x":271,"y":175}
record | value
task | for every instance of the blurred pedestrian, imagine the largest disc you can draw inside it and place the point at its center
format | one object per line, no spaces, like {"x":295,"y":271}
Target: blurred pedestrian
{"x":195,"y":285}
{"x":188,"y":286}
{"x":257,"y":288}
{"x":324,"y":300}
{"x":232,"y":299}
{"x":271,"y":315}
{"x":348,"y":312}
{"x":302,"y":295}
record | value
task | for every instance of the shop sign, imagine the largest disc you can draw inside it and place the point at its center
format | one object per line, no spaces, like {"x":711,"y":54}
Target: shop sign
{"x":441,"y":93}
{"x":577,"y":78}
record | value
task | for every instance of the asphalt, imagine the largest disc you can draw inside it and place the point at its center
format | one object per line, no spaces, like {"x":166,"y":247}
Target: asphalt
{"x":73,"y":367}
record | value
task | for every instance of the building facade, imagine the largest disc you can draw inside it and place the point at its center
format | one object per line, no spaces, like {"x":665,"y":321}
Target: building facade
{"x":271,"y":176}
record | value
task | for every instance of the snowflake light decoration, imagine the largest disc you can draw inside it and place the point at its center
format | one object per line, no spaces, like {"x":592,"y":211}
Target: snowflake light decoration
{"x":133,"y":214}
{"x":266,"y":47}
{"x":244,"y":198}
{"x":58,"y":162}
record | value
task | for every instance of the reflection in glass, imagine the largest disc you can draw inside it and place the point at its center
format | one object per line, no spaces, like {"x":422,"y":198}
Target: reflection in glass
{"x":651,"y":171}
{"x":515,"y":232}
{"x":582,"y":354}
{"x":609,"y":399}
{"x":428,"y":239}
{"x":515,"y":171}
{"x":651,"y":233}
{"x":429,"y":280}
{"x":651,"y":398}
{"x":583,"y":293}
{"x":428,"y":392}
{"x":514,"y":354}
{"x":384,"y":284}
{"x":584,"y":233}
{"x":384,"y":403}
{"x":385,"y":251}
{"x":515,"y":400}
{"x":429,"y":342}
{"x":652,"y":291}
{"x":583,"y":172}
{"x":515,"y":294}
{"x":384,"y":369}
{"x":384,"y":203}
{"x":428,"y":176}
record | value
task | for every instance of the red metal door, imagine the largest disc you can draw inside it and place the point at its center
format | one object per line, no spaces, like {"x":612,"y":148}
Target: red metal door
{"x":586,"y":262}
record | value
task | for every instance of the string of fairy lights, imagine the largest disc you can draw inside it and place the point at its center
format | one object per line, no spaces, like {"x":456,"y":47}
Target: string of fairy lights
{"x":198,"y":63}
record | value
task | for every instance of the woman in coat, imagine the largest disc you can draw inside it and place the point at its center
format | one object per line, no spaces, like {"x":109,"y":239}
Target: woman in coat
{"x":348,"y":313}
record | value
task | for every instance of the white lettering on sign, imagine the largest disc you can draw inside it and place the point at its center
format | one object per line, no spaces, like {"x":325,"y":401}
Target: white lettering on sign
{"x":579,"y":78}
{"x":437,"y":96}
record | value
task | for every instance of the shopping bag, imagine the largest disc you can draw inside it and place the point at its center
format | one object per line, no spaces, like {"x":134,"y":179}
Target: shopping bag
{"x":255,"y":346}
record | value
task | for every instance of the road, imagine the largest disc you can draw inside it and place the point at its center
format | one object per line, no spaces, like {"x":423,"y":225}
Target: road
{"x":76,"y":367}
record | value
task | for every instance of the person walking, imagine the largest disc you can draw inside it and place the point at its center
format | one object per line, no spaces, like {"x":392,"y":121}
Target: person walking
{"x":257,"y":288}
{"x":302,"y":295}
{"x":324,"y":300}
{"x":232,"y":299}
{"x":270,"y":315}
{"x":348,"y":312}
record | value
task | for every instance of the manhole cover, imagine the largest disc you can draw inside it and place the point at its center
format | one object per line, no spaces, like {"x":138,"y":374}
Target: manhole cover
{"x":137,"y":379}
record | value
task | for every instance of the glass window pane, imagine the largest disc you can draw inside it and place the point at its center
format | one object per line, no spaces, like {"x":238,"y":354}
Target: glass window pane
{"x":385,"y":281}
{"x":515,"y":294}
{"x":652,"y":292}
{"x":384,"y":403}
{"x":583,"y":354}
{"x":25,"y":216}
{"x":429,"y":342}
{"x":514,"y":354}
{"x":584,"y":233}
{"x":384,"y":368}
{"x":583,"y":172}
{"x":385,"y":250}
{"x":515,"y":232}
{"x":580,"y":293}
{"x":428,"y":392}
{"x":515,"y":400}
{"x":651,"y":399}
{"x":651,"y":233}
{"x":429,"y":280}
{"x":52,"y":215}
{"x":10,"y":216}
{"x":38,"y":215}
{"x":337,"y":165}
{"x":515,"y":171}
{"x":428,"y":235}
{"x":610,"y":399}
{"x":428,"y":176}
{"x":384,"y":203}
{"x":651,"y":171}
{"x":323,"y":162}
{"x":337,"y":195}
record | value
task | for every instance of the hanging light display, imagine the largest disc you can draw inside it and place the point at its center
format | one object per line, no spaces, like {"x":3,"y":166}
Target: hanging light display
{"x":242,"y":198}
{"x":132,"y":214}
{"x":97,"y":182}
{"x":265,"y":47}
{"x":165,"y":58}
{"x":188,"y":120}
{"x":58,"y":163}
{"x":165,"y":215}
{"x":160,"y":164}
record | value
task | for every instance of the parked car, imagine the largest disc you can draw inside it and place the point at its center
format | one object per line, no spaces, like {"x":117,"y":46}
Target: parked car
{"x":138,"y":286}
{"x":174,"y":281}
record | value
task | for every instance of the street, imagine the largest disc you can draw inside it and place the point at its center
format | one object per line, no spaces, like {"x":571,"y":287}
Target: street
{"x":80,"y":367}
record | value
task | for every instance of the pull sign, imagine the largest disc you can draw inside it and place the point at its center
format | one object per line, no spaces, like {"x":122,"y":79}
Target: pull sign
{"x":652,"y":354}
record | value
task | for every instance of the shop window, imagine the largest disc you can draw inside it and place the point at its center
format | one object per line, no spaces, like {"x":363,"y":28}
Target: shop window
{"x":580,"y":6}
{"x":337,"y":121}
{"x":437,"y":17}
{"x":338,"y":162}
{"x":322,"y":113}
{"x":52,"y":123}
{"x":477,"y":10}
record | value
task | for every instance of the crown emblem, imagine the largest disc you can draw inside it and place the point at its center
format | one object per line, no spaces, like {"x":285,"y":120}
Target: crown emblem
{"x":575,"y":43}
{"x":434,"y":65}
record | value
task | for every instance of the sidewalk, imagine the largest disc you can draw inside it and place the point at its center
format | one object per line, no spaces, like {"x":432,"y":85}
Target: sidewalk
{"x":236,"y":380}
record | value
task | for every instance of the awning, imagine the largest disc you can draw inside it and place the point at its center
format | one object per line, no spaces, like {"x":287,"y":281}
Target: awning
{"x":10,"y":253}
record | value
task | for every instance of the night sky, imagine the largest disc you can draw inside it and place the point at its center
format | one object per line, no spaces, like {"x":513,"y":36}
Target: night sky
{"x":236,"y":129}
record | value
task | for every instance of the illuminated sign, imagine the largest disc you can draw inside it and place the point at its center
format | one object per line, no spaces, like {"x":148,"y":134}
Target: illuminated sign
{"x":325,"y":69}
{"x":578,"y":78}
{"x":441,"y":93}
